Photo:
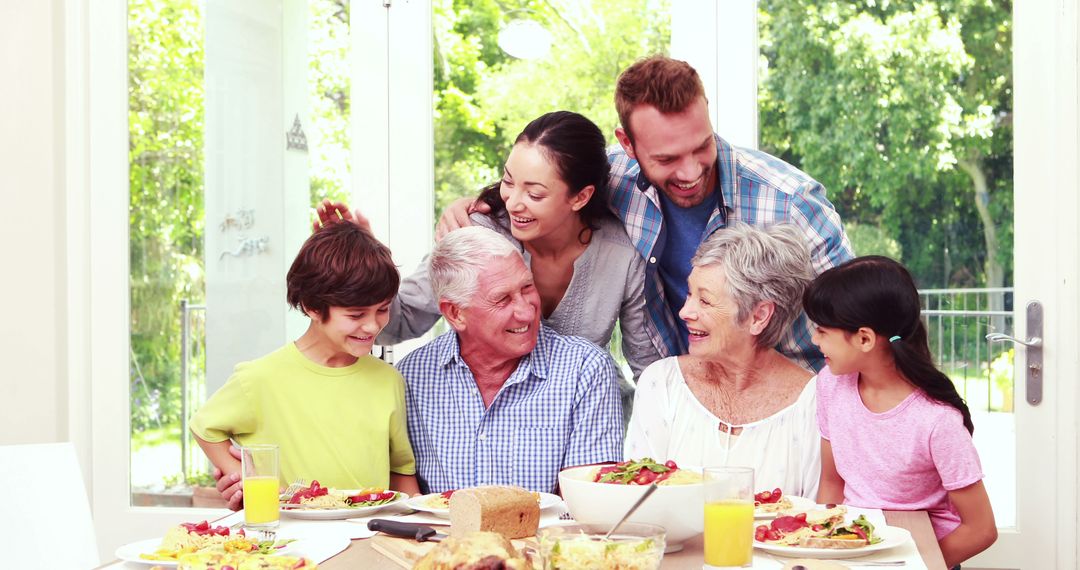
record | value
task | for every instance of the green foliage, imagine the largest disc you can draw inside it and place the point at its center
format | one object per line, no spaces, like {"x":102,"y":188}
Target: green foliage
{"x":872,"y":240}
{"x":884,"y":103}
{"x":483,"y":97}
{"x":328,"y":95}
{"x":166,"y":221}
{"x":203,"y":479}
{"x":166,"y":102}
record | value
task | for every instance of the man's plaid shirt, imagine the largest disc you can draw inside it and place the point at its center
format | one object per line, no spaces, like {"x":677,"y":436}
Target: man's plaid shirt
{"x":755,"y":188}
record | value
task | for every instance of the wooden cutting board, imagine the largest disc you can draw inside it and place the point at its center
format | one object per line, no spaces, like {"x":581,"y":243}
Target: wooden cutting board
{"x":405,"y":552}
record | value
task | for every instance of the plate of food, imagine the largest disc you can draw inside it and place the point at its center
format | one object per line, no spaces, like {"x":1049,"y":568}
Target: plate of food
{"x":769,"y":504}
{"x":824,"y":534}
{"x":439,"y":503}
{"x":212,"y":560}
{"x":323,"y":503}
{"x":188,"y":538}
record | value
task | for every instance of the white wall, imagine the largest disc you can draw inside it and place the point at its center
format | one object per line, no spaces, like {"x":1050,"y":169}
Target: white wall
{"x":33,"y":388}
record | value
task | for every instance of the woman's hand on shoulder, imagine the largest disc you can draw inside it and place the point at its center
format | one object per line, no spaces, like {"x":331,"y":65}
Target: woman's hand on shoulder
{"x":456,"y":215}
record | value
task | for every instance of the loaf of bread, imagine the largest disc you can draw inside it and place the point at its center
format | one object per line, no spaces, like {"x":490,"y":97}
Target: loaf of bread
{"x":509,"y":511}
{"x":474,"y":551}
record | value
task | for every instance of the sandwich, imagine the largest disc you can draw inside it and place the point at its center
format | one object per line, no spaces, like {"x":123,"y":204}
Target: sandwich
{"x":827,"y":518}
{"x":856,"y":534}
{"x":474,"y":551}
{"x":822,"y":528}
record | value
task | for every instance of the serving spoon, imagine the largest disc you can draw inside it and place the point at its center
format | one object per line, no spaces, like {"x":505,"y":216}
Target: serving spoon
{"x":648,"y":491}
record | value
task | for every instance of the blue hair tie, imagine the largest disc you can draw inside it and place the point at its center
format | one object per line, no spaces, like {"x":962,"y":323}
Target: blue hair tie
{"x":894,"y":338}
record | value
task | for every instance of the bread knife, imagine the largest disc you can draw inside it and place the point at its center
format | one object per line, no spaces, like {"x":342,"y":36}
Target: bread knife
{"x":419,"y":532}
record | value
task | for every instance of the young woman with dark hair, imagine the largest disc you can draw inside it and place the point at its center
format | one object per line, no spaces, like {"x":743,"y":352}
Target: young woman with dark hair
{"x":574,"y":147}
{"x":586,"y":270}
{"x":895,"y":433}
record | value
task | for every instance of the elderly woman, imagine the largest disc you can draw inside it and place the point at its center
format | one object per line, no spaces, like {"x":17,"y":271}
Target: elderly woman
{"x":734,"y":400}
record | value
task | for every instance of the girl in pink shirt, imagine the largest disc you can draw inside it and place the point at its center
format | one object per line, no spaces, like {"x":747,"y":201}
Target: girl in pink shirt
{"x":895,"y":434}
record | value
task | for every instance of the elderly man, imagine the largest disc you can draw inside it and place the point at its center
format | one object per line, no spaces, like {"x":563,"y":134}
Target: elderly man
{"x":502,"y":399}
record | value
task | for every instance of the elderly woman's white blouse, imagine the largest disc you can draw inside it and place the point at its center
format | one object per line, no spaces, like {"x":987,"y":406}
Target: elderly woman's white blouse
{"x":670,"y":423}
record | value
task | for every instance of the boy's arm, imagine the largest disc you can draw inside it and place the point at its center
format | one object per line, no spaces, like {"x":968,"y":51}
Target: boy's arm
{"x":405,"y":483}
{"x":226,"y":460}
{"x":977,"y":530}
{"x":831,"y":487}
{"x":218,"y":454}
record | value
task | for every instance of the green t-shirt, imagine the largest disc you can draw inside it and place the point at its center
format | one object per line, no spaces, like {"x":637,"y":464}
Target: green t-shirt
{"x":344,"y":427}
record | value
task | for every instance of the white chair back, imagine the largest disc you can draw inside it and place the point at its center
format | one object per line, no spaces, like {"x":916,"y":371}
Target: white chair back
{"x":45,"y":519}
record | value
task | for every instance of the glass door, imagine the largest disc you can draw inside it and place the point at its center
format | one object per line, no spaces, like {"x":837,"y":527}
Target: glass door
{"x":910,"y":119}
{"x":235,"y":121}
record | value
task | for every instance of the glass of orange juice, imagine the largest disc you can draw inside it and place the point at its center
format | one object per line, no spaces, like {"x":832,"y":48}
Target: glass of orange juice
{"x":259,"y":466}
{"x":729,"y":517}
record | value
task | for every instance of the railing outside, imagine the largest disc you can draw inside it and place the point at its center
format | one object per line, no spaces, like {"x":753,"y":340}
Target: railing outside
{"x":957,"y":322}
{"x":192,"y":384}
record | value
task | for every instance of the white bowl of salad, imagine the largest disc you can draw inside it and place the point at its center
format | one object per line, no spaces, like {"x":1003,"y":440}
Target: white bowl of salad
{"x":633,"y":546}
{"x":601,"y":494}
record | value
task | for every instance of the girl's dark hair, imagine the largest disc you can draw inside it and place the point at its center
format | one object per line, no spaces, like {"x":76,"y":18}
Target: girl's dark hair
{"x":879,"y":293}
{"x":576,"y":147}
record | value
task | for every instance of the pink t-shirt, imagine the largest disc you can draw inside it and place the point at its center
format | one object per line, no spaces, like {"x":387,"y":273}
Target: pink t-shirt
{"x":906,"y":459}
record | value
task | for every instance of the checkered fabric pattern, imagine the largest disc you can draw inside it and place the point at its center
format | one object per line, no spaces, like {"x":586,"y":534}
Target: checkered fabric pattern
{"x":559,"y":408}
{"x":756,"y":188}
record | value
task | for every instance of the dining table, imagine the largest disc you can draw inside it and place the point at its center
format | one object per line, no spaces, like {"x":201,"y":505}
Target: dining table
{"x":361,"y":553}
{"x":368,"y":553}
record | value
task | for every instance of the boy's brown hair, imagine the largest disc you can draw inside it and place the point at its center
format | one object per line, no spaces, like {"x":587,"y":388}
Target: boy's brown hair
{"x":340,"y":265}
{"x":668,"y":84}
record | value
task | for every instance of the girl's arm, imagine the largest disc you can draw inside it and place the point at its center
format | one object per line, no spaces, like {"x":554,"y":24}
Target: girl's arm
{"x":831,"y":487}
{"x":405,"y":483}
{"x":977,"y":530}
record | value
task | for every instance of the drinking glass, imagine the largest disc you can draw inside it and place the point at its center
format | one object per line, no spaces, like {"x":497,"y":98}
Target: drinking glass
{"x":729,"y":517}
{"x":259,"y":466}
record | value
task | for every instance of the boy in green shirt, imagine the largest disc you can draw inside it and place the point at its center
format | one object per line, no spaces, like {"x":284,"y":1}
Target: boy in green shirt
{"x":336,"y":412}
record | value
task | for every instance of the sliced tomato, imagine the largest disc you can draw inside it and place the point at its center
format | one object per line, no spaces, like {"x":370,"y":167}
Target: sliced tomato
{"x":370,"y":497}
{"x":858,"y":530}
{"x":787,"y":524}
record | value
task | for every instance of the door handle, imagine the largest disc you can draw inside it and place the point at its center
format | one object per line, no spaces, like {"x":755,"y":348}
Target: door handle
{"x":1001,"y":337}
{"x":1033,"y":351}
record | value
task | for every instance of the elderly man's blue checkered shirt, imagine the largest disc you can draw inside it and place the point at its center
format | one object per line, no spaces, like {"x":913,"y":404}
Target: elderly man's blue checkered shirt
{"x":755,"y":188}
{"x":559,"y":408}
